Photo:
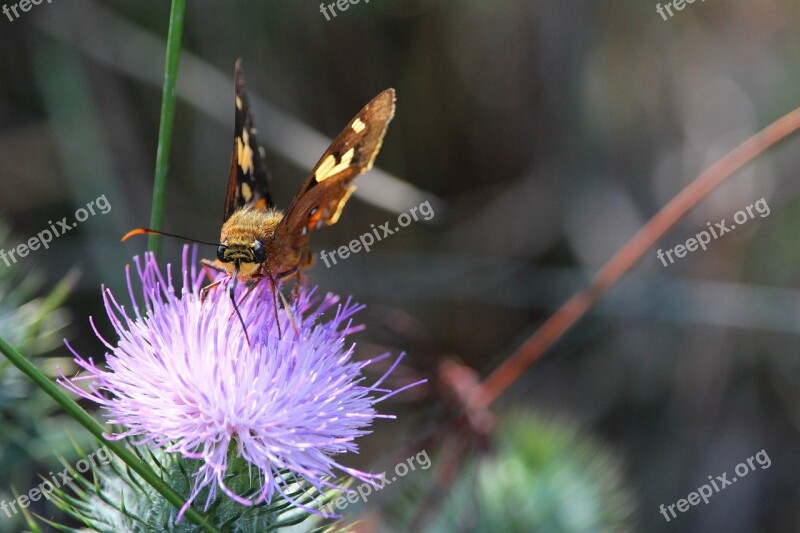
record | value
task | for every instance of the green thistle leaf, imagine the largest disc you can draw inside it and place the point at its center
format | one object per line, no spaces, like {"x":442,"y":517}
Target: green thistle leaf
{"x":116,"y":500}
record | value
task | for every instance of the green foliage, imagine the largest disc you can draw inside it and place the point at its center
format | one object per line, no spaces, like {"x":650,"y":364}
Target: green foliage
{"x":29,"y":426}
{"x":30,"y":322}
{"x":168,"y":98}
{"x":540,"y":477}
{"x":117,"y":500}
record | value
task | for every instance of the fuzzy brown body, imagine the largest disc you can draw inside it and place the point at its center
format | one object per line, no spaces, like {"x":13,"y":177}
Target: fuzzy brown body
{"x":286,"y":257}
{"x":259,"y":241}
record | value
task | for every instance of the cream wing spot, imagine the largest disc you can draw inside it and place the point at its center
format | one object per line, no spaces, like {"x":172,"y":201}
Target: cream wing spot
{"x":238,"y":103}
{"x":358,"y":126}
{"x":325,"y":167}
{"x":247,"y":192}
{"x":329,"y":167}
{"x":244,"y":154}
{"x":335,"y":218}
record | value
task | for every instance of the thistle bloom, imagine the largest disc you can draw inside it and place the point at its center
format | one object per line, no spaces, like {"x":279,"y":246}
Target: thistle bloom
{"x":183,"y":377}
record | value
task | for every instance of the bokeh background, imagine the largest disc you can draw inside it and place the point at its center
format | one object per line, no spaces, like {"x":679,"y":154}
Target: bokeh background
{"x":544,"y":133}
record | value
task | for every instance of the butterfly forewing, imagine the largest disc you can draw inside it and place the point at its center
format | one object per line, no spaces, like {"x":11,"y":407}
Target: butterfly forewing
{"x":325,"y":192}
{"x":248,"y":183}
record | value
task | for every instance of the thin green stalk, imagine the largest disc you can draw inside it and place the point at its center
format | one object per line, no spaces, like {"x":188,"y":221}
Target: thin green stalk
{"x":168,"y":97}
{"x":97,"y":429}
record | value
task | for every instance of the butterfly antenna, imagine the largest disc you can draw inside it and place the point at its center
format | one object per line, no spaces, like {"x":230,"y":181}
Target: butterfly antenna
{"x":147,"y":231}
{"x":232,"y":294}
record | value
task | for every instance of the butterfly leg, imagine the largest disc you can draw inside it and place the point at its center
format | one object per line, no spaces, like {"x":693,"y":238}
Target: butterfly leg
{"x":296,"y":275}
{"x":289,"y":314}
{"x":205,"y":290}
{"x":306,"y":261}
{"x":296,"y":289}
{"x":285,"y":276}
{"x":210,"y":267}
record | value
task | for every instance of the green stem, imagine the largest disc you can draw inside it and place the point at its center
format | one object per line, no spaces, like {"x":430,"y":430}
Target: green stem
{"x":168,"y":97}
{"x":97,"y":429}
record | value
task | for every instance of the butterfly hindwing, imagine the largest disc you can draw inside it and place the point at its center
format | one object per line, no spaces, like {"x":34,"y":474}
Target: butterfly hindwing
{"x":324,"y":194}
{"x":248,"y":182}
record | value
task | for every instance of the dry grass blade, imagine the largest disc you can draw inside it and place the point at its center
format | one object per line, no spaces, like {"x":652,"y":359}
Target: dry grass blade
{"x":627,"y":256}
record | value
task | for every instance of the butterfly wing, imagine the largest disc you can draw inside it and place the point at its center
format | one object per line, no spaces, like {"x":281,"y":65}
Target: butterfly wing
{"x":324,"y":194}
{"x":248,"y":182}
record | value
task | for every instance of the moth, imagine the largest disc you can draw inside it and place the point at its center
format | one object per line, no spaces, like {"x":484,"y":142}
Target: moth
{"x":259,"y":241}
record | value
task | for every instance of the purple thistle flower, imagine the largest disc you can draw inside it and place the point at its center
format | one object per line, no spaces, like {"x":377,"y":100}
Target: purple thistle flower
{"x":182,"y":377}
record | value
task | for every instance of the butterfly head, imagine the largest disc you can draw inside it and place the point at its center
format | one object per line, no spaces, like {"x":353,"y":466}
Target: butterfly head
{"x":244,"y":258}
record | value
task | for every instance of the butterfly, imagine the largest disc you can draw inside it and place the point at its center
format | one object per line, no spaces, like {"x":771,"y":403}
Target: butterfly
{"x":259,"y":241}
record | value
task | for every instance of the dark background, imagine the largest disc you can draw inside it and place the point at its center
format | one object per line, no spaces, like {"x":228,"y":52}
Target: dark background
{"x":544,"y":133}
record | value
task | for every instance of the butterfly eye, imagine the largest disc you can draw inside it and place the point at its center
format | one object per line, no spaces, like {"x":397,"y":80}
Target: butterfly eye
{"x":221,"y":252}
{"x":259,"y":253}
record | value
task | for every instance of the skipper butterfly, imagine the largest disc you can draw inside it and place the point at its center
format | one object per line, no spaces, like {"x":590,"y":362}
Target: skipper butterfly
{"x":258,"y":241}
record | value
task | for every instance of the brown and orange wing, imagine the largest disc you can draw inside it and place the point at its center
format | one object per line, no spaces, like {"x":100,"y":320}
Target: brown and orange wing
{"x":248,"y":181}
{"x":326,"y":191}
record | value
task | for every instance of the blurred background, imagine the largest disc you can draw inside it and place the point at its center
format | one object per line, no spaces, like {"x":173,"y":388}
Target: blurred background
{"x":543,"y":134}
